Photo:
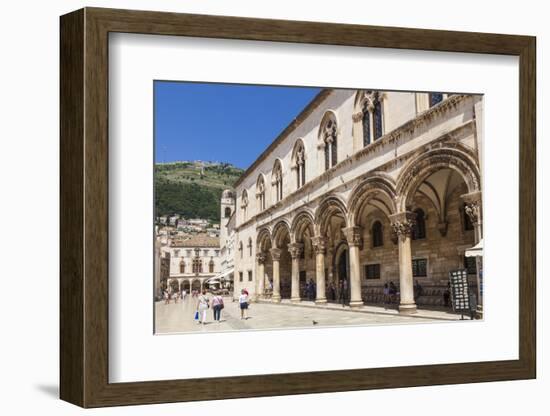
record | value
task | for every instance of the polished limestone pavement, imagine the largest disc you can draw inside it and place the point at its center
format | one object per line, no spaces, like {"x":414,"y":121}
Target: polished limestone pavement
{"x":179,"y":317}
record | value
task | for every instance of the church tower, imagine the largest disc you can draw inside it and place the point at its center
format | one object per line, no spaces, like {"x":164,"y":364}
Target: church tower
{"x":227,"y":209}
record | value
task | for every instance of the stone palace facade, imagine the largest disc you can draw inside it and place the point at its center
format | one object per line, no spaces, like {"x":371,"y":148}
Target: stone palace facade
{"x":367,"y":187}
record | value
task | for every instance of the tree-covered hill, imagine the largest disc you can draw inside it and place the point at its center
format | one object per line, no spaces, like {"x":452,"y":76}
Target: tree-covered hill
{"x":192,"y":189}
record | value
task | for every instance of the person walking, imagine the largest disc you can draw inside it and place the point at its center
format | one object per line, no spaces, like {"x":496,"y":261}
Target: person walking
{"x":343,"y":292}
{"x":183,"y":294}
{"x":243,"y":303}
{"x":166,"y":297}
{"x":203,"y":304}
{"x":332,"y":291}
{"x":386,"y":295}
{"x":217,"y":306}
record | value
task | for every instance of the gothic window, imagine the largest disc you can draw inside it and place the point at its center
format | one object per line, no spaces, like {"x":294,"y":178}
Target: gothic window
{"x":377,"y":235}
{"x":182,"y":267}
{"x":211,"y":266}
{"x":249,"y":246}
{"x":277,"y":176}
{"x":227,"y":212}
{"x":419,"y":229}
{"x":241,"y":249}
{"x":244,"y":203}
{"x":328,"y":136}
{"x":197,"y":265}
{"x":377,"y":119}
{"x":260,"y":193}
{"x":366,"y":124}
{"x":435,"y":98}
{"x":300,"y":164}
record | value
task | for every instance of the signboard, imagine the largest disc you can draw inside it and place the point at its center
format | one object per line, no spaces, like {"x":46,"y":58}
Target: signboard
{"x":460,"y":291}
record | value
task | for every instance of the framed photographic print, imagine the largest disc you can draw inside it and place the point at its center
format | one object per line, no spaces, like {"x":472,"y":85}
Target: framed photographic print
{"x":261,"y":207}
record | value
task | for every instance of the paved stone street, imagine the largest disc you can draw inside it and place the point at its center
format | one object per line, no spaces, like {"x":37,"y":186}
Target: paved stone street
{"x":180,"y":317}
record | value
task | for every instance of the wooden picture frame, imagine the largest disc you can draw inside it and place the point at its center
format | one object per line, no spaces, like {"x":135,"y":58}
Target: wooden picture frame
{"x":84,"y":207}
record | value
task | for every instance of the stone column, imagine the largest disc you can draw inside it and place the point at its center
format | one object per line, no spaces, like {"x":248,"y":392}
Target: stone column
{"x":260,"y":258}
{"x":320,"y":247}
{"x":355,"y":243}
{"x":402,"y":224}
{"x":276,"y":256}
{"x":295,"y":250}
{"x":473,"y":210}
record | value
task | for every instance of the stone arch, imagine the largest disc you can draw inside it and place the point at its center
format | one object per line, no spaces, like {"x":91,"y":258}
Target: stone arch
{"x":378,"y":189}
{"x":327,"y":208}
{"x":422,"y":166}
{"x":263,"y":240}
{"x":281,"y":228}
{"x":300,"y":222}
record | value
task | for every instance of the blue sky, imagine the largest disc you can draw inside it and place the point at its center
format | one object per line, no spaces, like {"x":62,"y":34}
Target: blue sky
{"x":222,"y":122}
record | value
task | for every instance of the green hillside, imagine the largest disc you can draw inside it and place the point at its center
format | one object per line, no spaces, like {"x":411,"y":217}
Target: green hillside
{"x":192,"y":189}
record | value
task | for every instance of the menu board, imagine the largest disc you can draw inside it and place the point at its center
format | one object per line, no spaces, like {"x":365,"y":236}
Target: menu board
{"x":460,"y":291}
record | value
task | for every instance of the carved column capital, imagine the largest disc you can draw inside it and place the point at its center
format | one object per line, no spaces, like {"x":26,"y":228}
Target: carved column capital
{"x":473,"y":206}
{"x":354,"y":236}
{"x":260,"y":257}
{"x":295,"y":250}
{"x":357,"y":116}
{"x":275,"y":254}
{"x":319,"y":244}
{"x":402,"y":223}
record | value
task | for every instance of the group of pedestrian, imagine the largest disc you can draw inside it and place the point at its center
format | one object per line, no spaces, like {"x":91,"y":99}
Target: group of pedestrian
{"x":390,"y":294}
{"x":311,"y":290}
{"x":216,"y":304}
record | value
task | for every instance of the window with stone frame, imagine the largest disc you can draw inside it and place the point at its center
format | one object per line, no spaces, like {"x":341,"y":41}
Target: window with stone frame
{"x":240,"y":276}
{"x":260,"y":193}
{"x":197,"y":265}
{"x":377,"y":119}
{"x":277,"y":180}
{"x":470,"y":265}
{"x":182,"y":267}
{"x":366,"y":124}
{"x":300,"y":163}
{"x":241,"y":248}
{"x":329,"y":137}
{"x":211,"y":266}
{"x":435,"y":98}
{"x":244,"y":204}
{"x":372,"y":271}
{"x":249,"y":245}
{"x":420,"y":267}
{"x":419,"y":229}
{"x":227,"y":212}
{"x":377,"y":234}
{"x":250,"y":275}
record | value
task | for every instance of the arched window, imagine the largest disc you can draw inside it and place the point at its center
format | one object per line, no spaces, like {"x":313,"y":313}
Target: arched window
{"x":241,"y":249}
{"x":377,"y":119}
{"x":377,"y":234}
{"x":435,"y":98}
{"x":366,"y":124}
{"x":244,"y":204}
{"x":197,"y":265}
{"x":249,"y":246}
{"x":211,"y":266}
{"x":299,"y":159}
{"x":328,"y":135}
{"x":419,"y":229}
{"x":182,"y":267}
{"x":277,"y":180}
{"x":372,"y":108}
{"x":227,"y":212}
{"x":260,"y":193}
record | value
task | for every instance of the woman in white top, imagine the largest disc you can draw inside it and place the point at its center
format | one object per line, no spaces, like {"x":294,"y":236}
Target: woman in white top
{"x":243,"y":303}
{"x":202,"y":306}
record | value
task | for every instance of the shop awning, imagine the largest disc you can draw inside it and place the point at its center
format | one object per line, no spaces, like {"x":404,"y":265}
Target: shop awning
{"x":476,"y":251}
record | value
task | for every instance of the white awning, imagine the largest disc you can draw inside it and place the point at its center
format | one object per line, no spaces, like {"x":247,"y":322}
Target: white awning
{"x":476,"y":251}
{"x":222,"y":275}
